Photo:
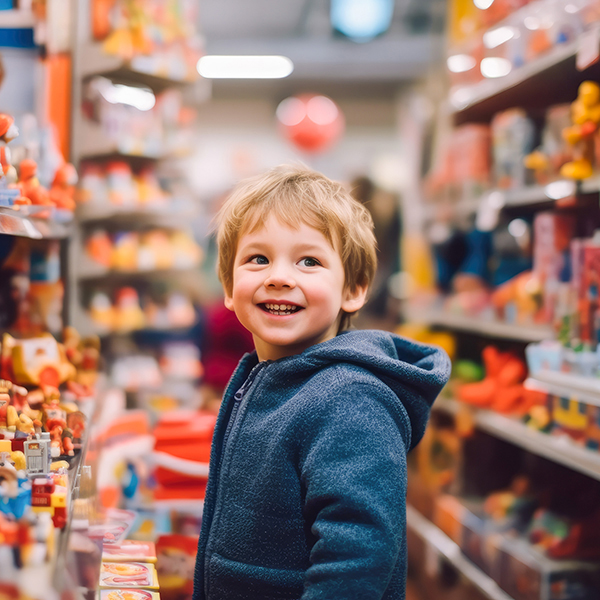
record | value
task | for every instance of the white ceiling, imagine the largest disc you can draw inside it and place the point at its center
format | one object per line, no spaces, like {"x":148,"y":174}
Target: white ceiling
{"x":301,"y":30}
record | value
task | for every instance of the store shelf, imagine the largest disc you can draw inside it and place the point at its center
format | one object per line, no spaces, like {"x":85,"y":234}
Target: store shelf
{"x":23,"y":223}
{"x":586,"y":389}
{"x":552,"y":78}
{"x":167,"y":214}
{"x":438,"y":540}
{"x":16,"y":19}
{"x":88,"y":270}
{"x":142,"y":70}
{"x":561,"y":450}
{"x":478,"y":326}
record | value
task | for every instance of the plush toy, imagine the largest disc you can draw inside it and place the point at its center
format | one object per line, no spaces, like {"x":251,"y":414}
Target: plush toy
{"x":502,"y":388}
{"x":585,"y":115}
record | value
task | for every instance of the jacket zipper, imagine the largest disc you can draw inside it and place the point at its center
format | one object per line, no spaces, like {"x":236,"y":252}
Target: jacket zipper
{"x":237,"y":400}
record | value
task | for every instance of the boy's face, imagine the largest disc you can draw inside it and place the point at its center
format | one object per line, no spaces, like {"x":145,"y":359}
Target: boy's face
{"x":298,"y":271}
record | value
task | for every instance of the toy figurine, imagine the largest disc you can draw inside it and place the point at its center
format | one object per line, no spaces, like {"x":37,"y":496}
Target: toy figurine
{"x":585,"y":115}
{"x":29,"y":184}
{"x":8,"y":174}
{"x":102,"y":311}
{"x":62,"y":192}
{"x":128,"y":313}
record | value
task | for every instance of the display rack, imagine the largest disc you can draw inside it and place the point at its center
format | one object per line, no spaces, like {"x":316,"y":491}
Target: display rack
{"x":560,"y":450}
{"x":553,"y":78}
{"x":479,"y":326}
{"x":553,"y":75}
{"x":90,"y":143}
{"x":436,"y":539}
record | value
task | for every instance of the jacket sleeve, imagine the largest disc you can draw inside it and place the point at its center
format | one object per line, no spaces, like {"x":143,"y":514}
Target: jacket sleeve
{"x":353,"y":469}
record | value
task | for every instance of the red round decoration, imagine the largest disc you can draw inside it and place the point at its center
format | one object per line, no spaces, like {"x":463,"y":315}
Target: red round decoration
{"x":311,"y":122}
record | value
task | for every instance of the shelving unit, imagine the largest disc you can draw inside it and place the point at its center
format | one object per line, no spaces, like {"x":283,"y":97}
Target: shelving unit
{"x":435,"y":538}
{"x":92,"y":144}
{"x":479,"y":326}
{"x":557,"y":449}
{"x":553,"y":75}
{"x":551,"y":79}
{"x":24,"y":223}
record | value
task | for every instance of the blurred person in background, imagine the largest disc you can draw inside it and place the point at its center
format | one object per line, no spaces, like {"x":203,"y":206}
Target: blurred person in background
{"x":379,"y":311}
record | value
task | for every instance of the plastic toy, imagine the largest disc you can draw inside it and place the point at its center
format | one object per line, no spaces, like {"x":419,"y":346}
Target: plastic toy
{"x":585,"y":116}
{"x":46,"y":496}
{"x":29,"y":184}
{"x":37,"y":454}
{"x":62,"y":192}
{"x":99,"y":247}
{"x":547,"y":160}
{"x":569,"y":416}
{"x":38,"y":361}
{"x":519,"y":299}
{"x":501,"y":389}
{"x":128,"y":314}
{"x":101,"y":311}
{"x":512,"y":139}
{"x":8,"y":174}
{"x":125,"y":251}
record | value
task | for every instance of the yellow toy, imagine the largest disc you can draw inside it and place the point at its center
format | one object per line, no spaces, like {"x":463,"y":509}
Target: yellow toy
{"x":585,"y":115}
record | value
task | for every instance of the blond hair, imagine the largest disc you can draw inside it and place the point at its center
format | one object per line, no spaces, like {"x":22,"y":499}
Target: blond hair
{"x":297,"y":195}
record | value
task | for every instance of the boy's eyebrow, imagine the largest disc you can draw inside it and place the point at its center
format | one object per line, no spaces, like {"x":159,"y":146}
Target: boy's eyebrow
{"x":302,"y":247}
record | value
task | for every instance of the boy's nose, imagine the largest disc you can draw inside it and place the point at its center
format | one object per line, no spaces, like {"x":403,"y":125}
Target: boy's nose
{"x":280,"y":278}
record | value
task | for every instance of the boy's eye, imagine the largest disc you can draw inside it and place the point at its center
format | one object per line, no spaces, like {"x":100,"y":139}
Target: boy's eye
{"x":309,"y":262}
{"x":259,"y":259}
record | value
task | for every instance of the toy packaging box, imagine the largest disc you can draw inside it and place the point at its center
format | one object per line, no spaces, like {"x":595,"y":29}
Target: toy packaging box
{"x":128,"y":575}
{"x":526,"y":574}
{"x":129,"y":551}
{"x":128,"y":594}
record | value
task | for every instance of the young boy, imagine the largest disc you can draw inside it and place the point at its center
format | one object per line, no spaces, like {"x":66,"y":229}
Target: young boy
{"x":307,"y":484}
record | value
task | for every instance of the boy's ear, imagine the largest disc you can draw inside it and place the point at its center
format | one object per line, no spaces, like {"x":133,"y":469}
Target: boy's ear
{"x":354,"y":299}
{"x":228,"y":301}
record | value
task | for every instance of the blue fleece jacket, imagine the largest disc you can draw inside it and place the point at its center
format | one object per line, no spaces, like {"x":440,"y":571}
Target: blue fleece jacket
{"x":307,"y":484}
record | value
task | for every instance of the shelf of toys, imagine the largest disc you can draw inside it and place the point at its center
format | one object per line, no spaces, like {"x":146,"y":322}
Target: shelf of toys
{"x":137,"y":282}
{"x":511,"y":221}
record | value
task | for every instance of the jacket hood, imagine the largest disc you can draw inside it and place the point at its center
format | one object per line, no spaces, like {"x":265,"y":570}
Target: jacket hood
{"x":414,"y":372}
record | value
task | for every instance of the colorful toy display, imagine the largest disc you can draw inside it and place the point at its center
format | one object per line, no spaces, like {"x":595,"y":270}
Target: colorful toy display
{"x":146,"y":251}
{"x":585,"y":116}
{"x":502,"y":388}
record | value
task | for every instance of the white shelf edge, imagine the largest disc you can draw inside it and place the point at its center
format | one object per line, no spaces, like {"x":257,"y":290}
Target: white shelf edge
{"x":436,"y":538}
{"x":485,"y":90}
{"x":101,"y":273}
{"x":560,"y":450}
{"x":531,"y":333}
{"x":586,"y":389}
{"x":17,"y":19}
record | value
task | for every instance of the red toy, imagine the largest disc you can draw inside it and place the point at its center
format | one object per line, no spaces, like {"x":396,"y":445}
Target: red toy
{"x":502,"y":389}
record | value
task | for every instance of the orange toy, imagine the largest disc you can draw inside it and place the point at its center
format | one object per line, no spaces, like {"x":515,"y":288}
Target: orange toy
{"x":29,"y":184}
{"x":502,"y":389}
{"x":62,"y":192}
{"x":525,"y":291}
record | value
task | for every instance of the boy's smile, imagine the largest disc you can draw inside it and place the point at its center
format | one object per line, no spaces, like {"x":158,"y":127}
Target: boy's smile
{"x":289,"y":288}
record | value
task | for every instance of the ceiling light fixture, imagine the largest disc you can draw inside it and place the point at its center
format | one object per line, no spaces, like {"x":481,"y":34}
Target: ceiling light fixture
{"x":361,"y":20}
{"x":244,"y":67}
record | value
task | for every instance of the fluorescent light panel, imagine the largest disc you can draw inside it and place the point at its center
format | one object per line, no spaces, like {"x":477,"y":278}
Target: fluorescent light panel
{"x":244,"y":67}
